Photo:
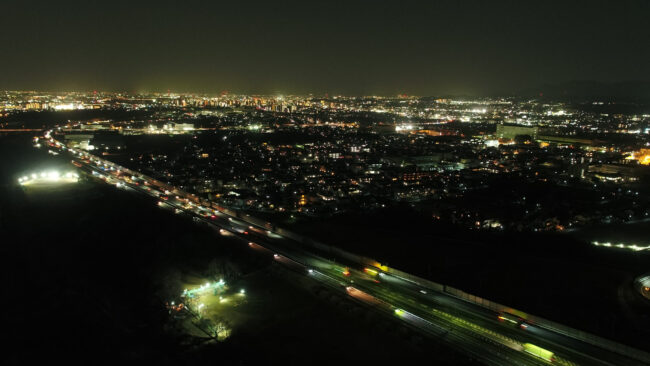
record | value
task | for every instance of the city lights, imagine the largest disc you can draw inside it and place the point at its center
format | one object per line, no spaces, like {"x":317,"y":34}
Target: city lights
{"x":351,"y":182}
{"x":399,"y":162}
{"x":633,"y":247}
{"x":49,"y":177}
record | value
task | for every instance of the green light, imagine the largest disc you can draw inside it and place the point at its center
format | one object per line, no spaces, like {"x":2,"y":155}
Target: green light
{"x":539,"y":352}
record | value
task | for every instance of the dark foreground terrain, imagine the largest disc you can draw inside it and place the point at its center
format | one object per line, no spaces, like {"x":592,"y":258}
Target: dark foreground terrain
{"x":560,"y":277}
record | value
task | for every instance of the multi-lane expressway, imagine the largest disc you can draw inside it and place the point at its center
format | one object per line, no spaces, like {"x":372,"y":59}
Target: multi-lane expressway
{"x":464,"y":326}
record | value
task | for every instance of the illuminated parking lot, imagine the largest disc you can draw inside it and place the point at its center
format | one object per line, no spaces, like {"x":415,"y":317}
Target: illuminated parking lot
{"x":48,"y":177}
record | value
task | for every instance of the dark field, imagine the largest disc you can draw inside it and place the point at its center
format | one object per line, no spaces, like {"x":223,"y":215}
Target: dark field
{"x":560,"y":277}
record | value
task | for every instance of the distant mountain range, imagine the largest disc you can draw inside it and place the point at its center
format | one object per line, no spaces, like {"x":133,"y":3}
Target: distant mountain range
{"x":628,"y":91}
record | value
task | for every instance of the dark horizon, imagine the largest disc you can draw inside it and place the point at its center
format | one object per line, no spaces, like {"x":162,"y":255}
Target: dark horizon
{"x":359,"y":48}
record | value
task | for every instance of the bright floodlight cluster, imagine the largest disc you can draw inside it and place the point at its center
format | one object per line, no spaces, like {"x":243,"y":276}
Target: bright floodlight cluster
{"x":634,"y":247}
{"x":50,"y":176}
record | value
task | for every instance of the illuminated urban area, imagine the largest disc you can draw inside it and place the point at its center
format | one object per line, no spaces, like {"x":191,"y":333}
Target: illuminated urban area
{"x":273,"y":171}
{"x":294,"y":158}
{"x":455,"y":183}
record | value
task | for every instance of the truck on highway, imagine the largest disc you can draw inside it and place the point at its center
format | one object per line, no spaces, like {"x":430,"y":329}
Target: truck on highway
{"x":539,"y":352}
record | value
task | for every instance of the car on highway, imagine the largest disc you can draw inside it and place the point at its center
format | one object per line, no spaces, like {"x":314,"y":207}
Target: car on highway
{"x":513,"y":319}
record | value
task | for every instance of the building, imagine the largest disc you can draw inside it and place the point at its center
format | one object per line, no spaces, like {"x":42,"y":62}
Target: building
{"x":178,"y":127}
{"x":80,"y":141}
{"x":510,"y":132}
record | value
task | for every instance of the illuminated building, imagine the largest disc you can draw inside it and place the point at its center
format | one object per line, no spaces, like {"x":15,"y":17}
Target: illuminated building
{"x":510,"y":132}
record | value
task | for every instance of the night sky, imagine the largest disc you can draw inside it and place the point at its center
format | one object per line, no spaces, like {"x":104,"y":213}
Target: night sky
{"x":349,"y":47}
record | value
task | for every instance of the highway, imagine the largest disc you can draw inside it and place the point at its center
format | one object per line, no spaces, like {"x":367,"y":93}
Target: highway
{"x":467,"y":327}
